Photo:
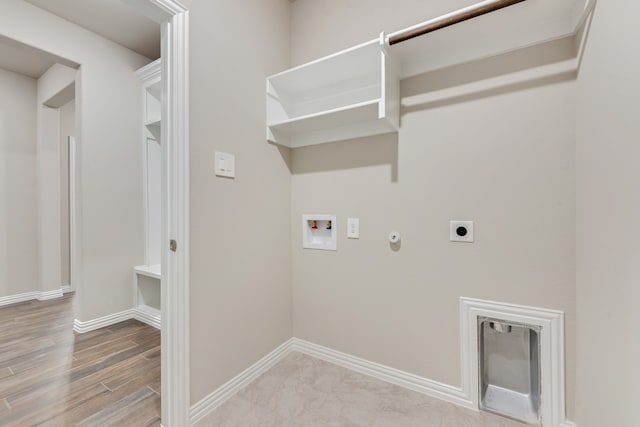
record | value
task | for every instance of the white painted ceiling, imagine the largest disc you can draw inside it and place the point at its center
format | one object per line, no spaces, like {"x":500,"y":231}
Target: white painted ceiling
{"x":26,"y":60}
{"x":112,"y":19}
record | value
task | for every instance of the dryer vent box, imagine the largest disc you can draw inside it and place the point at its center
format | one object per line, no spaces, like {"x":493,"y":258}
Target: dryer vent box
{"x":510,"y":383}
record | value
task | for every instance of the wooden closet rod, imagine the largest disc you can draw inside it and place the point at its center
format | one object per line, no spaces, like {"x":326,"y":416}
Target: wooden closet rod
{"x":452,"y":18}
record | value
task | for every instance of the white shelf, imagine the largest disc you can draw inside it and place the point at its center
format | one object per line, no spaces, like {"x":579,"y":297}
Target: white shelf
{"x":150,"y":75}
{"x":341,"y":123}
{"x":355,"y":92}
{"x":514,"y":27}
{"x":154,"y":127}
{"x":151,"y":79}
{"x":324,"y":72}
{"x":153,"y":271}
{"x":349,"y":94}
{"x":154,"y":122}
{"x":155,"y":88}
{"x":148,"y":276}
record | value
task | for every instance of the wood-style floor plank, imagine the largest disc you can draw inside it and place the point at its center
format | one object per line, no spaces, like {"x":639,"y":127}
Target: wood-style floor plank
{"x":50,"y":376}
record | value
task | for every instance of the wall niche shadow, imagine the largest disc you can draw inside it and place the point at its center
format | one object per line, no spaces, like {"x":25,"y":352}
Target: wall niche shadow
{"x":538,"y":65}
{"x":348,"y":154}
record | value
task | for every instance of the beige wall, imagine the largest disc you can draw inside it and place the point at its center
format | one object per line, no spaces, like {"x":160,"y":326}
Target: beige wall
{"x":608,"y":206}
{"x":502,"y":156}
{"x":48,"y":172}
{"x":67,"y":129}
{"x":320,"y":28}
{"x":18,"y":206}
{"x":240,"y":228}
{"x":50,"y":84}
{"x":109,"y":133}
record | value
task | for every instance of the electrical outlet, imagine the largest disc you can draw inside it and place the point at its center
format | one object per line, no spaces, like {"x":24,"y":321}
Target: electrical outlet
{"x":461,"y":231}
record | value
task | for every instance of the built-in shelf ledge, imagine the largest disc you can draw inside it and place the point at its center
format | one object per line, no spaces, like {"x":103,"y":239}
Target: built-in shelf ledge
{"x":515,"y":27}
{"x":355,"y":92}
{"x":350,"y":94}
{"x":153,"y":123}
{"x":341,"y":123}
{"x":154,"y":126}
{"x":148,"y":270}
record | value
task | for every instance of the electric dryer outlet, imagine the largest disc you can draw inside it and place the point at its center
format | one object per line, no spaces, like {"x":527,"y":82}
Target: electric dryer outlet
{"x":461,"y":231}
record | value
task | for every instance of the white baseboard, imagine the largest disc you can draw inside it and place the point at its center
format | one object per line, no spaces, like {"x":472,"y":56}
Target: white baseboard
{"x":394,"y":376}
{"x":384,"y":373}
{"x":231,"y":387}
{"x":143,"y":314}
{"x":416,"y":383}
{"x":29,"y":296}
{"x":82,"y":327}
{"x":47,"y":295}
{"x":148,"y":315}
{"x":12,"y":299}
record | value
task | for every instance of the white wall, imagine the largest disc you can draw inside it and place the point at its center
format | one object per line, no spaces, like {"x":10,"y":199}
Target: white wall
{"x":109,"y":134}
{"x":18,"y":206}
{"x":240,"y":235}
{"x":503,"y":156}
{"x":608,"y":205}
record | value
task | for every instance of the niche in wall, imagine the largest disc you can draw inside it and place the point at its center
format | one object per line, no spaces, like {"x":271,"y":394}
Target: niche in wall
{"x":64,"y":104}
{"x":56,"y":155}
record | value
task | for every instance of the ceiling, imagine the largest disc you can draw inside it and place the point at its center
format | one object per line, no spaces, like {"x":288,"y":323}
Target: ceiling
{"x":26,"y":60}
{"x":112,"y":19}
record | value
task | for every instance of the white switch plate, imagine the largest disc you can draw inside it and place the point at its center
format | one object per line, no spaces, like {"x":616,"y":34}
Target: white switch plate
{"x":461,"y":231}
{"x":353,"y":228}
{"x":225,"y":164}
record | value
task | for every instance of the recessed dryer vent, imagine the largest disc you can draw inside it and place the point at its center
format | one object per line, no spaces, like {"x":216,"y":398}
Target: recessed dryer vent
{"x":510,"y":374}
{"x":514,"y":360}
{"x":319,"y":232}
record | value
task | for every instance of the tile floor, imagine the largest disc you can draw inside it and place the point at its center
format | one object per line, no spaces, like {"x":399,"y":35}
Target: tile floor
{"x":302,"y":391}
{"x":51,"y":376}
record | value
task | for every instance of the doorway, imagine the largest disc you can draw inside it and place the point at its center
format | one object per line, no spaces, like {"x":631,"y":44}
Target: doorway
{"x":174,"y":19}
{"x":175,"y":343}
{"x":56,"y":134}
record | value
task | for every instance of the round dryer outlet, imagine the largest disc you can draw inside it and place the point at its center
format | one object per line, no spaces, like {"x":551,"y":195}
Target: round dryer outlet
{"x":461,"y":231}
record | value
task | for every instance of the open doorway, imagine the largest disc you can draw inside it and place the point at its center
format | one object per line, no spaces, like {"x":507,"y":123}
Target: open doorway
{"x":96,"y":305}
{"x":174,"y":20}
{"x":38,"y":115}
{"x":56,"y":185}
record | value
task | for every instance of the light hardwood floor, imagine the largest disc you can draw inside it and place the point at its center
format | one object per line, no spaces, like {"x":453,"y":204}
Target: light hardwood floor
{"x":50,"y":376}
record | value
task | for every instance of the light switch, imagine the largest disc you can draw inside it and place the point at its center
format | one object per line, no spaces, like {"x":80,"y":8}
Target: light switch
{"x":353,"y":228}
{"x":225,"y":164}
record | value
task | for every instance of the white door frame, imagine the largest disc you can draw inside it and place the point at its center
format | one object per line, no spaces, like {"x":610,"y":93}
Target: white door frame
{"x":174,"y":19}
